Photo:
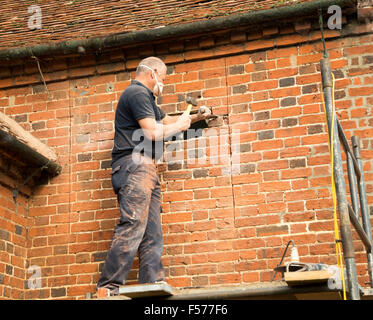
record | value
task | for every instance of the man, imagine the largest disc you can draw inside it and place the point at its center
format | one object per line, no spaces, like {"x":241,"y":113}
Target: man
{"x":140,"y":129}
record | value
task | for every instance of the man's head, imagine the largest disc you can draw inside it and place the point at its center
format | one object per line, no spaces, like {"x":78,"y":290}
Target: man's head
{"x":151,"y":72}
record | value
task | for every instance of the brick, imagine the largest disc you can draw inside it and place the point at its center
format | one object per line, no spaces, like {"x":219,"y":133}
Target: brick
{"x":271,"y":230}
{"x":287,"y":82}
{"x":289,"y":122}
{"x":265,"y":125}
{"x":202,"y":204}
{"x":201,"y":183}
{"x":178,"y":196}
{"x":274,"y":186}
{"x":58,"y":292}
{"x":286,"y":112}
{"x":247,"y":168}
{"x":307,"y":79}
{"x":296,"y":173}
{"x":177,"y":217}
{"x":4,"y":235}
{"x":263,"y":135}
{"x":295,"y":152}
{"x":286,"y":102}
{"x":222,"y":256}
{"x":285,"y":92}
{"x":315,"y":139}
{"x":265,"y":145}
{"x":238,"y":79}
{"x":85,"y":226}
{"x":281,"y":73}
{"x":263,"y":85}
{"x":362,"y":91}
{"x":239,"y":89}
{"x":296,"y":163}
{"x":212,"y":73}
{"x":236,"y":69}
{"x":264,"y":115}
{"x":273,"y":165}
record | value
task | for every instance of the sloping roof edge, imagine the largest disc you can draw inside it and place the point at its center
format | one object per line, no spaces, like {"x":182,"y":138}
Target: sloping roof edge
{"x":15,"y":139}
{"x":194,"y":28}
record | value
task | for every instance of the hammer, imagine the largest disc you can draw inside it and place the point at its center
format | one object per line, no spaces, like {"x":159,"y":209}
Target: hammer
{"x":191,"y":102}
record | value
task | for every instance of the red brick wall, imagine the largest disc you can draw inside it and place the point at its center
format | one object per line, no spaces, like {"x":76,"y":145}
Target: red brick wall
{"x":219,"y":227}
{"x":13,"y":244}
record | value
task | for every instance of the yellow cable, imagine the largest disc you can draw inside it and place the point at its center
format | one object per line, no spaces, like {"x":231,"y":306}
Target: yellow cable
{"x":336,"y":229}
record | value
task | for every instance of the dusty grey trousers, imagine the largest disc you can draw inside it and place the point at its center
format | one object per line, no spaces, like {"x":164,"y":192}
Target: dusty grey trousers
{"x":139,"y":196}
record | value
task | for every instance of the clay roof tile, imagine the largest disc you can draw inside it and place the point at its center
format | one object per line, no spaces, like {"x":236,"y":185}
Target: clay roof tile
{"x":82,"y":19}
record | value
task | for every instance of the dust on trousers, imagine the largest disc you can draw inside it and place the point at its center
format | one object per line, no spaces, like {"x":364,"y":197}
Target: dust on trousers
{"x":137,"y":187}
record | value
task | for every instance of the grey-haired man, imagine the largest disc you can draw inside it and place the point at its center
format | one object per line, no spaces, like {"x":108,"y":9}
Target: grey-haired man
{"x":140,"y":129}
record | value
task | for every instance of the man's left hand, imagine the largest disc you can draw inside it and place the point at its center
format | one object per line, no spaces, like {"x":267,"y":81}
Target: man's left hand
{"x":204,"y":113}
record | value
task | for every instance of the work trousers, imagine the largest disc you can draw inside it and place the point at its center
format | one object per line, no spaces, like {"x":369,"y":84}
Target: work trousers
{"x":137,"y":187}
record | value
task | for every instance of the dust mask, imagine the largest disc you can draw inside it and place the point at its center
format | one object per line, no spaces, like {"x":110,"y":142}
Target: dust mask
{"x":158,"y":87}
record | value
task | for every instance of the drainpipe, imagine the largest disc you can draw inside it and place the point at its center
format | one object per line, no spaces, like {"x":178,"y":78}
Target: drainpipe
{"x":173,"y":31}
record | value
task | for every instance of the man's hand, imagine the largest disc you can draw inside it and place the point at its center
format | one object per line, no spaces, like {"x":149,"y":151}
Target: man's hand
{"x":183,"y":122}
{"x":204,"y":113}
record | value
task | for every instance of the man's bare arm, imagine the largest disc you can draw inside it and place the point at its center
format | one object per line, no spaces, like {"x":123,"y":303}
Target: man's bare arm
{"x":169,"y":120}
{"x":193,"y":117}
{"x":159,"y":131}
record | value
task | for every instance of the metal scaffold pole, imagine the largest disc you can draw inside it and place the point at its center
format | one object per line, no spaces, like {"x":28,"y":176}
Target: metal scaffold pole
{"x":364,"y":206}
{"x":345,"y":228}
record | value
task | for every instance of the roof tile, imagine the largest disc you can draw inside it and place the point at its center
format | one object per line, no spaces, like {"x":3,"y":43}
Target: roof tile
{"x":78,"y":19}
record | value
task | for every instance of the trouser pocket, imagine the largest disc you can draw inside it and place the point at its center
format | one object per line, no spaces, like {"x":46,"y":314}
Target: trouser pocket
{"x":121,"y":173}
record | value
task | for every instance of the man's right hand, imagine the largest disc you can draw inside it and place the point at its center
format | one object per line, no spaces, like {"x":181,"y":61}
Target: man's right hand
{"x":183,"y":122}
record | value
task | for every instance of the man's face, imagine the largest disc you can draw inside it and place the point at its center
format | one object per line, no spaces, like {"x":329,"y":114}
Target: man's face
{"x":159,"y":77}
{"x":155,"y":79}
{"x":160,"y":74}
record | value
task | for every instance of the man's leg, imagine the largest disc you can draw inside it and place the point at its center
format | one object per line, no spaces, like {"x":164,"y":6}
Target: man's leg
{"x":151,"y":247}
{"x":134,"y":200}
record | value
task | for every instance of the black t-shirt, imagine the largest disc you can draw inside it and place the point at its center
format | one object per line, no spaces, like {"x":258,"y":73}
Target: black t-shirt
{"x":136,"y":102}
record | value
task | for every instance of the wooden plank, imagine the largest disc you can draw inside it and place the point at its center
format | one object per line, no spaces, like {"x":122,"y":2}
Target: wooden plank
{"x":306,"y":277}
{"x":11,"y":127}
{"x":146,"y":290}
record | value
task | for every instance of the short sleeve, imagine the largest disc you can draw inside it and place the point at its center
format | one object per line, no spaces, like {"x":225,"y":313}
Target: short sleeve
{"x":141,"y":106}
